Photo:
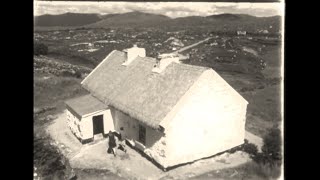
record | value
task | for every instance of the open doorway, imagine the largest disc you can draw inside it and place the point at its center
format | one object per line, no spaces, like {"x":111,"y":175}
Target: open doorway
{"x":97,"y":124}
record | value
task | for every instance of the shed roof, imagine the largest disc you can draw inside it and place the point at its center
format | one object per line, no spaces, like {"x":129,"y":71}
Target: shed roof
{"x":136,"y":90}
{"x":85,"y":104}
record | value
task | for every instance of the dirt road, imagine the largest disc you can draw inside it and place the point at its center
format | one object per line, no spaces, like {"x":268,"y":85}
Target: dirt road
{"x":192,"y":45}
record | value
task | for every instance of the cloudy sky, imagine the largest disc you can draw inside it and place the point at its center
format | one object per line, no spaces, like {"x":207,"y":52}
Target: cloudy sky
{"x":171,"y":9}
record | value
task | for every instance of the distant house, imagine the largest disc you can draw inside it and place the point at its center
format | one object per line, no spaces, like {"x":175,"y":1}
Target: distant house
{"x":175,"y":113}
{"x":243,"y":33}
{"x":174,"y":42}
{"x":265,"y":31}
{"x":214,"y":44}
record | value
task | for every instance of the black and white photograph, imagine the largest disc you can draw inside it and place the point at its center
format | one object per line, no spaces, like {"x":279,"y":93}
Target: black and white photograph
{"x":158,"y":90}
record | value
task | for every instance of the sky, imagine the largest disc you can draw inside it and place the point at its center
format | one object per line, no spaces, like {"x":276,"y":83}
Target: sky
{"x":171,"y":9}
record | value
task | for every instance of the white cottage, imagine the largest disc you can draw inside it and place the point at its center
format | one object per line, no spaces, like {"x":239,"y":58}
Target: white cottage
{"x":175,"y":114}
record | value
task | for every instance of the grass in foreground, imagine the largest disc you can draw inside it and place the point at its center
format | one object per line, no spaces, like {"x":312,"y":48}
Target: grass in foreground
{"x":248,"y":171}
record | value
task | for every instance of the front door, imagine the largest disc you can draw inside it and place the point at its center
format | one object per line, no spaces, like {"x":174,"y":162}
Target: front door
{"x":97,"y":124}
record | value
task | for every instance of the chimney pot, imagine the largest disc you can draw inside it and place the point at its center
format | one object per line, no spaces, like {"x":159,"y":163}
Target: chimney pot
{"x":165,"y":60}
{"x":134,"y":52}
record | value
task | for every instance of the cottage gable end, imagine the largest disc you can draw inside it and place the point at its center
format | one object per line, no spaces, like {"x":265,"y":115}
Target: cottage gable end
{"x":220,"y":88}
{"x":209,"y":112}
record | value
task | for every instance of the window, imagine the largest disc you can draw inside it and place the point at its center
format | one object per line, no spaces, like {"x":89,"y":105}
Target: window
{"x":142,"y":134}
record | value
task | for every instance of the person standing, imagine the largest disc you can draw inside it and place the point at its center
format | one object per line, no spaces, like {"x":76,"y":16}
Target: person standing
{"x":122,"y":143}
{"x":112,"y":143}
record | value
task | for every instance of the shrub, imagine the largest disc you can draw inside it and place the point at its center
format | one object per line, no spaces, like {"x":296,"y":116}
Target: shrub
{"x":251,"y":149}
{"x":47,"y":157}
{"x":272,"y":144}
{"x":78,"y":74}
{"x":271,"y":149}
{"x":247,"y":147}
{"x":40,"y":49}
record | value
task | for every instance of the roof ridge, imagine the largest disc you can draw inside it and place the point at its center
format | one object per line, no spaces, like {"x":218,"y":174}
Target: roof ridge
{"x":145,"y":58}
{"x":191,"y":67}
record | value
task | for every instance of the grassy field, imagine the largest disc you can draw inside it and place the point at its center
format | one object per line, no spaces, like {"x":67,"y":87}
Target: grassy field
{"x":248,"y":171}
{"x":273,"y":60}
{"x":52,"y":91}
{"x":264,"y":109}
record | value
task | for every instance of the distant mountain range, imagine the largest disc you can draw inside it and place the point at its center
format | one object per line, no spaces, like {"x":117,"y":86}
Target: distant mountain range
{"x":221,"y":22}
{"x":130,"y":19}
{"x":67,"y":19}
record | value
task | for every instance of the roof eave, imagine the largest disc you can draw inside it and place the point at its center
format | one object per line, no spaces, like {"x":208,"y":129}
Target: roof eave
{"x":73,"y":111}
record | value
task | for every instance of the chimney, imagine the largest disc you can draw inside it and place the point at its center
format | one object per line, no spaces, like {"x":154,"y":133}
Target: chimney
{"x":132,"y":53}
{"x":164,"y":60}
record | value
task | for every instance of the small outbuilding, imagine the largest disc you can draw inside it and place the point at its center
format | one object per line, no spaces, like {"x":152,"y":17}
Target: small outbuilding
{"x":175,"y":113}
{"x":87,"y":117}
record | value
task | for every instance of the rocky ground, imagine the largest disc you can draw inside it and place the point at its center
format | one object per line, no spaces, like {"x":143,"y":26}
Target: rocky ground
{"x":47,"y":65}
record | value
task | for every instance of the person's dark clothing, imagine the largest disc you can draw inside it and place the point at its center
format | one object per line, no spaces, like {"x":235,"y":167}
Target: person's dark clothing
{"x":112,"y":141}
{"x":112,"y":144}
{"x":122,"y":143}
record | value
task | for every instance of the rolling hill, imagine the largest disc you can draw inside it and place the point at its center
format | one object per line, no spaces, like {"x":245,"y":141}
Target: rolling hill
{"x":131,"y":19}
{"x":67,"y":19}
{"x":230,"y":22}
{"x":220,"y":22}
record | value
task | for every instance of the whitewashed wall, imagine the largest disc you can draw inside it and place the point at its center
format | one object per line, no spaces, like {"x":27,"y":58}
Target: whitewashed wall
{"x":130,"y":125}
{"x":86,"y":127}
{"x":73,"y":123}
{"x":155,"y":146}
{"x":208,"y":120}
{"x":86,"y":124}
{"x":108,"y":122}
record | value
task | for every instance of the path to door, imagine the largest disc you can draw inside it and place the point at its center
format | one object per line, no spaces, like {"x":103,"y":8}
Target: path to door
{"x":63,"y":137}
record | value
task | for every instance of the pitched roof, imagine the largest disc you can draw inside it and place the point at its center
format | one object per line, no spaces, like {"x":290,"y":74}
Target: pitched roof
{"x":136,"y":90}
{"x":85,"y":104}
